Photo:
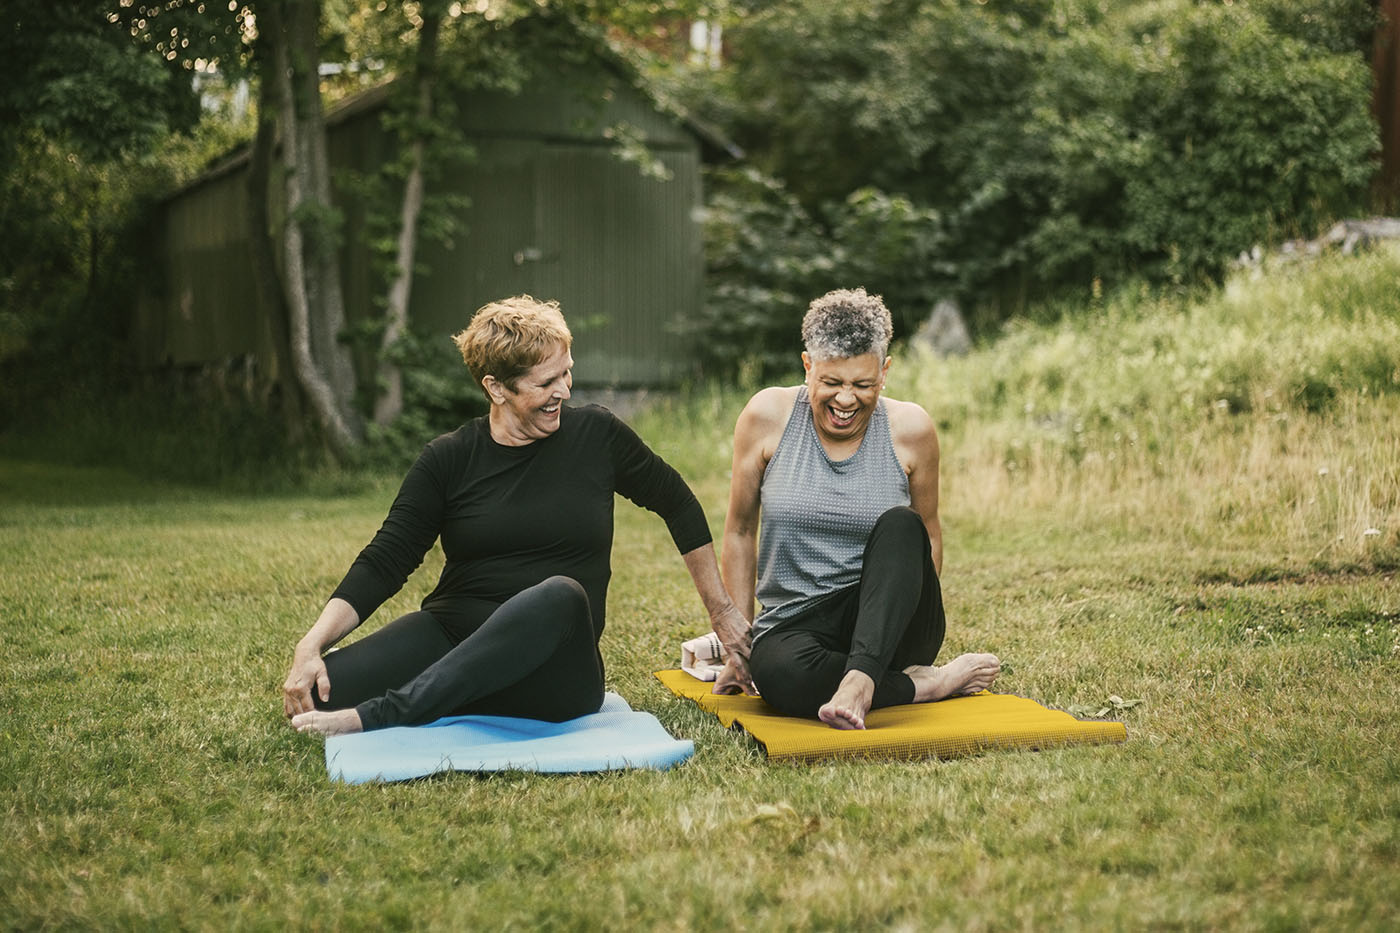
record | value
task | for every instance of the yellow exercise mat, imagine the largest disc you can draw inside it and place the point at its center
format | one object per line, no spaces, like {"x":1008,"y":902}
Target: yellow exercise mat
{"x":947,"y":729}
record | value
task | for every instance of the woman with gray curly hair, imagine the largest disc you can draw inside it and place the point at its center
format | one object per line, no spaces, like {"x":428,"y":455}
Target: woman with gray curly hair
{"x":843,"y":485}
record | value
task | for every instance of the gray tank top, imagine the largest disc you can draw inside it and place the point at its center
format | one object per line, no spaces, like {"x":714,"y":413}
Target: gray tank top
{"x":817,"y":513}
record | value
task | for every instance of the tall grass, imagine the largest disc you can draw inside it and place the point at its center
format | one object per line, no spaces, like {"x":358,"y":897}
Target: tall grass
{"x":1201,"y":562}
{"x":1270,"y":406}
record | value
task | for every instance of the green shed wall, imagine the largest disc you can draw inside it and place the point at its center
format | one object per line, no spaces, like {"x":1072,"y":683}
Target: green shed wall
{"x":554,"y":213}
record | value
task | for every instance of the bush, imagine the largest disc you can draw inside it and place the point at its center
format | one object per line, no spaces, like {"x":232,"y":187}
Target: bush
{"x":438,"y":394}
{"x":71,"y":238}
{"x":767,"y":258}
{"x":1246,"y":136}
{"x":763,"y":255}
{"x":1003,"y":152}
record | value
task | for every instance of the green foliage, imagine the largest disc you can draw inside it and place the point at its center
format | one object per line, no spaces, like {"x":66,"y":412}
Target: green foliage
{"x":762,"y":251}
{"x":89,"y":108}
{"x":439,"y":395}
{"x":898,"y":249}
{"x":1250,"y":135}
{"x":68,"y":225}
{"x":183,"y":34}
{"x":1331,"y":25}
{"x":107,"y":80}
{"x":44,"y":208}
{"x":85,"y":145}
{"x":767,"y":257}
{"x":1040,"y":146}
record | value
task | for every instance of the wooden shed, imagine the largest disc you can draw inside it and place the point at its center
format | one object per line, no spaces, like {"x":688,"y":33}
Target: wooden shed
{"x":554,"y":212}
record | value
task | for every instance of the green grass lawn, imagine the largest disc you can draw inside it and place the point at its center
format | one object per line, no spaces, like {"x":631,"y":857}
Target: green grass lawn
{"x":1216,"y":568}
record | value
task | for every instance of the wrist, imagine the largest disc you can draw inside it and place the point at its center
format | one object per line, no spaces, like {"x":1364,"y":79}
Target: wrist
{"x":733,"y":634}
{"x":720,"y":610}
{"x":307,"y":648}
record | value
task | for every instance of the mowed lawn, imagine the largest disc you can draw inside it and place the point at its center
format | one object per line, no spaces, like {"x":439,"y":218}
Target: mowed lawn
{"x":1231,"y":568}
{"x":148,"y":778}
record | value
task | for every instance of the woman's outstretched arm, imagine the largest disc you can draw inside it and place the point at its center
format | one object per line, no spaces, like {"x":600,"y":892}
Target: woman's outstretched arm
{"x":728,"y":623}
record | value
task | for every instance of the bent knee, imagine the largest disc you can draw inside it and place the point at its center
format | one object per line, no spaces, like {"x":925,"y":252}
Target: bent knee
{"x":560,"y":588}
{"x":900,"y":516}
{"x":567,"y":600}
{"x":903,"y":522}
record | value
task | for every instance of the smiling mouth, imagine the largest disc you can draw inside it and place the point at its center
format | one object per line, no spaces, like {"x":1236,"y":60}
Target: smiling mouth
{"x":551,"y":409}
{"x":842,"y":417}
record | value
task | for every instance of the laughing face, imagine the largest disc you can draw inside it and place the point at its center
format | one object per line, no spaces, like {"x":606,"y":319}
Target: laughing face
{"x":530,"y":411}
{"x":843,"y":394}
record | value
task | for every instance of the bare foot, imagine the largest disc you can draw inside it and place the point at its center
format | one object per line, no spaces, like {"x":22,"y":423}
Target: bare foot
{"x":328,"y":722}
{"x":963,"y":676}
{"x":848,"y":705}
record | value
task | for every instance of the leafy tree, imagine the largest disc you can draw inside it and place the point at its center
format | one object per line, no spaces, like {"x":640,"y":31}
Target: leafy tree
{"x":83,"y":110}
{"x":71,"y":75}
{"x":1019,"y":148}
{"x":1242,"y":135}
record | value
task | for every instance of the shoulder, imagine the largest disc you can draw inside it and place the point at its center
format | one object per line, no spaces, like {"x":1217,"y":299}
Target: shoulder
{"x":591,"y":429}
{"x":768,"y":409}
{"x":761,"y":424}
{"x":588,"y":418}
{"x":593,"y":413}
{"x":911,"y":428}
{"x":447,"y":458}
{"x":454,"y":444}
{"x":464,"y":436}
{"x":591,"y":424}
{"x":908,"y":418}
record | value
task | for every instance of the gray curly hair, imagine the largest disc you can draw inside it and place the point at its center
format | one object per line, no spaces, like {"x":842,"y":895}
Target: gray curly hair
{"x":847,"y":322}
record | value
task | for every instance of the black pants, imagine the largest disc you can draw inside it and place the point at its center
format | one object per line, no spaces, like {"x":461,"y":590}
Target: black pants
{"x":532,"y":656}
{"x":889,"y":620}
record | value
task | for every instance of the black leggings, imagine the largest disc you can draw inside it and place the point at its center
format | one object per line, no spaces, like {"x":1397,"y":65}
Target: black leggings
{"x":533,"y":656}
{"x":889,"y":620}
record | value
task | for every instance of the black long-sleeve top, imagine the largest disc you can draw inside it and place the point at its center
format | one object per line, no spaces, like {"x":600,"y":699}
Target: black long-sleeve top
{"x":510,"y":517}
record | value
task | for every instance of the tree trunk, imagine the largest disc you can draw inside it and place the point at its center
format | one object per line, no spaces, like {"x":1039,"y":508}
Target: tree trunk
{"x":320,"y":220}
{"x":389,"y":403}
{"x":310,"y":267}
{"x":266,"y":280}
{"x":1385,"y":62}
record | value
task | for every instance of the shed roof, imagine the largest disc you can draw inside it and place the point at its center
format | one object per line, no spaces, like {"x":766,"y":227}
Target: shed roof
{"x":715,"y":146}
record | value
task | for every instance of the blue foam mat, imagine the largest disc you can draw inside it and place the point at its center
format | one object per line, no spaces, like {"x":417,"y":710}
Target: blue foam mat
{"x":614,"y":738}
